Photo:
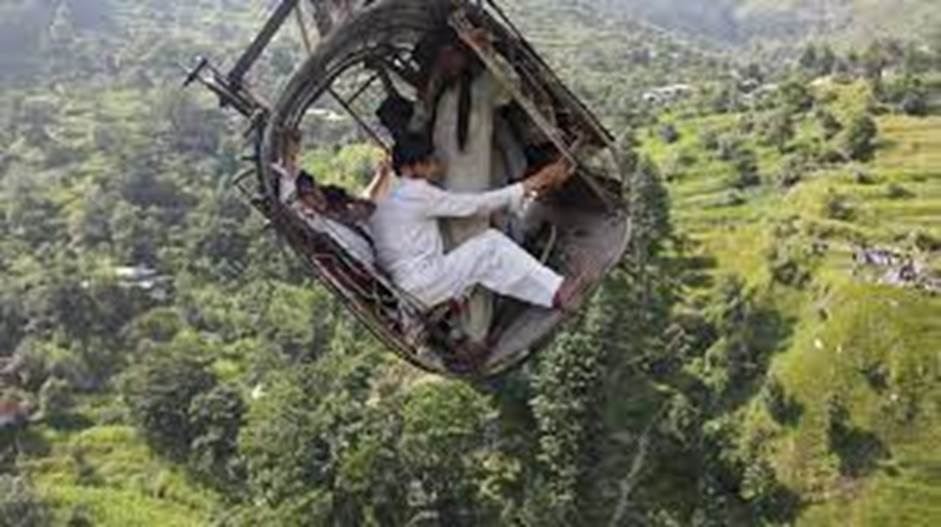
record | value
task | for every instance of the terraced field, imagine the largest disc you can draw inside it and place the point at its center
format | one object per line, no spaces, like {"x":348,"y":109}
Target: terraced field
{"x":861,"y":364}
{"x":106,"y":473}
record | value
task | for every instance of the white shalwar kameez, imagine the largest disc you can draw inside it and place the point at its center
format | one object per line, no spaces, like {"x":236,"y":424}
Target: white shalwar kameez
{"x":470,"y":169}
{"x":410,"y":247}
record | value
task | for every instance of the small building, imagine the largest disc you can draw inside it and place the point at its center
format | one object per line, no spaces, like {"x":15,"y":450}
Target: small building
{"x":665,"y":95}
{"x":144,"y":279}
{"x":327,"y":115}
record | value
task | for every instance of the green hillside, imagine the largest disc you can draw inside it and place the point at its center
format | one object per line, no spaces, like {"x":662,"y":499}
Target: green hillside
{"x":786,"y":22}
{"x":856,"y":350}
{"x":857,"y":20}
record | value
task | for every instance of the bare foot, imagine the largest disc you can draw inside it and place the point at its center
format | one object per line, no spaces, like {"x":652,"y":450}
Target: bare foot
{"x":571,"y":293}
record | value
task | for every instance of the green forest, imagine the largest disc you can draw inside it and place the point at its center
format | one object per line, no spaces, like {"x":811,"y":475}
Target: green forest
{"x":768,"y":352}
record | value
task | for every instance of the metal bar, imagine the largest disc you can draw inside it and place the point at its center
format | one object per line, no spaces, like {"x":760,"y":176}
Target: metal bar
{"x":305,"y":35}
{"x":362,"y":89}
{"x":460,"y":22}
{"x":359,"y":120}
{"x":343,"y":103}
{"x":592,"y":119}
{"x":248,"y":59}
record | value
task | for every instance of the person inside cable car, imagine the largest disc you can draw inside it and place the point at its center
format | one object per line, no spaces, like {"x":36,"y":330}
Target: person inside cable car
{"x":397,"y":113}
{"x":348,"y":228}
{"x":334,"y":200}
{"x":460,"y":99}
{"x":410,"y":247}
{"x":457,"y":96}
{"x":330,"y":209}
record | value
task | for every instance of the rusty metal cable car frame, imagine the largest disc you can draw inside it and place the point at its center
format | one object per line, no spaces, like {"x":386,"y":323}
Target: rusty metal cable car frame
{"x":267,"y":124}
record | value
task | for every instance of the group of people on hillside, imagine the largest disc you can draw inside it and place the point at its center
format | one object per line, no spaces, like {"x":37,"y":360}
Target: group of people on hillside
{"x":427,"y":217}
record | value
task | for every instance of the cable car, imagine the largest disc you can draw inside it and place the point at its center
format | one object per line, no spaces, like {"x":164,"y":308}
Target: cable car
{"x":584,"y":224}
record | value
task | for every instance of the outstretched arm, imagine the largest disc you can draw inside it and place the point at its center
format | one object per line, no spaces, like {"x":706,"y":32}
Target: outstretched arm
{"x":444,"y":204}
{"x":379,"y":186}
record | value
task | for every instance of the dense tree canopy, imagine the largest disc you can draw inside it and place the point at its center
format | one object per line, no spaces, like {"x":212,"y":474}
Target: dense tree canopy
{"x":177,"y":366}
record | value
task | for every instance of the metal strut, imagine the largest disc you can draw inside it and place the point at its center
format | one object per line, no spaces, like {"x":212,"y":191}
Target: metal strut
{"x":462,"y":24}
{"x":346,"y":105}
{"x":230,"y":87}
{"x":254,"y":51}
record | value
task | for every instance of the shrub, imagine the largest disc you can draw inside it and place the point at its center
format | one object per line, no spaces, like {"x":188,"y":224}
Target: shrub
{"x":859,"y":141}
{"x":907,"y":94}
{"x":216,"y":417}
{"x":55,"y":398}
{"x":861,"y":177}
{"x":915,"y":104}
{"x":859,"y":451}
{"x":925,"y":242}
{"x":19,"y":506}
{"x":782,"y":408}
{"x":778,"y":131}
{"x":675,"y":167}
{"x":831,"y":156}
{"x":837,"y":206}
{"x":80,"y":517}
{"x":728,"y":147}
{"x":746,"y":170}
{"x":829,"y":124}
{"x":787,"y":265}
{"x":709,"y":140}
{"x":12,"y":318}
{"x":159,"y":393}
{"x":157,"y":325}
{"x":767,"y":496}
{"x":791,"y":172}
{"x":808,"y":58}
{"x":795,"y":97}
{"x":877,"y":376}
{"x":686,"y":158}
{"x":668,"y":133}
{"x":682,"y":420}
{"x":746,"y":124}
{"x":896,"y":191}
{"x":733,"y":199}
{"x":32,"y":356}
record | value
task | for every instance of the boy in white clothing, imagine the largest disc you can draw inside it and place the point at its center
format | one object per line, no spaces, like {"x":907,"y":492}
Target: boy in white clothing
{"x":410,"y":248}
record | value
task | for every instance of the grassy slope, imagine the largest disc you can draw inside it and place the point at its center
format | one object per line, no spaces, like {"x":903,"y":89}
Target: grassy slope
{"x":105,"y":471}
{"x":112,"y":477}
{"x":840,"y":324}
{"x":869,"y":17}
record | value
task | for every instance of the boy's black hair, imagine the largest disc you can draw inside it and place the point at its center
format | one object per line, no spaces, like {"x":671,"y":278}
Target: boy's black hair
{"x":411,"y":149}
{"x":395,"y":113}
{"x":426,"y":51}
{"x":336,"y":198}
